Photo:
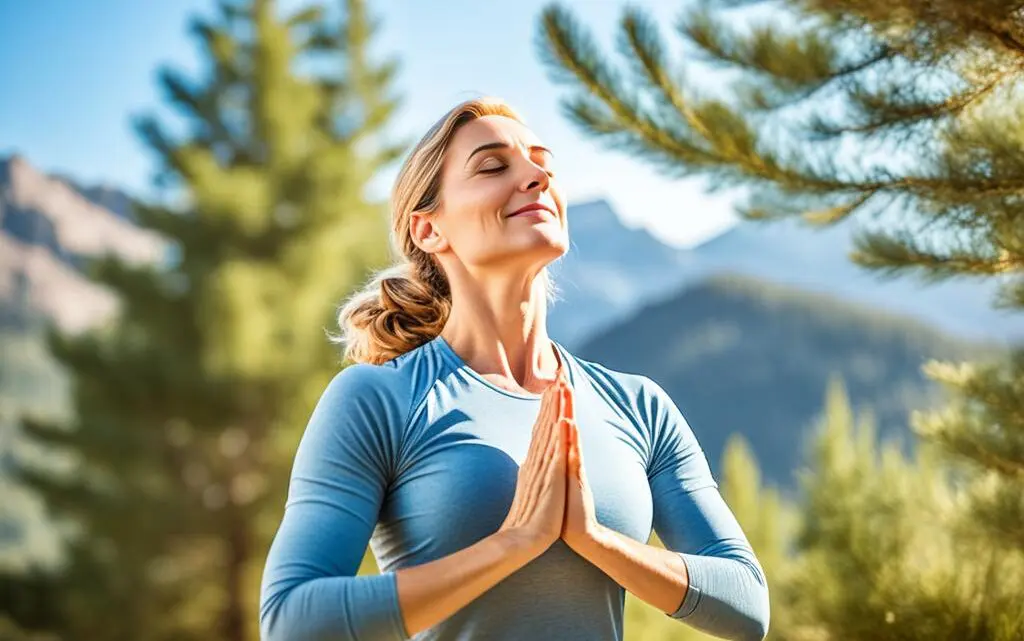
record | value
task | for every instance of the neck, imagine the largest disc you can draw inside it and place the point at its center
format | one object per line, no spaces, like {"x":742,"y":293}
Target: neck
{"x":498,"y":328}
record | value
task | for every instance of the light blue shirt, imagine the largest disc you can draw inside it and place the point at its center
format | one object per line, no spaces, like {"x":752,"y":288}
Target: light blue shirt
{"x":420,"y":455}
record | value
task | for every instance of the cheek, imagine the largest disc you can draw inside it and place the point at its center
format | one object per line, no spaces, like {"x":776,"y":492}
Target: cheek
{"x":556,"y":193}
{"x":472,"y":219}
{"x":479,"y":200}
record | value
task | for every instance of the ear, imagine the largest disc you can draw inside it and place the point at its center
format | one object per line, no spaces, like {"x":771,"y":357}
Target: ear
{"x":425,"y":232}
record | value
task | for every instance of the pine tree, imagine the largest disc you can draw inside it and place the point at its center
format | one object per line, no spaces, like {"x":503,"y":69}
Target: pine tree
{"x":879,"y":555}
{"x":190,"y":405}
{"x":906,"y":111}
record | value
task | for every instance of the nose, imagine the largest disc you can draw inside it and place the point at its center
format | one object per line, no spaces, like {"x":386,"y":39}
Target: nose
{"x":535,"y":178}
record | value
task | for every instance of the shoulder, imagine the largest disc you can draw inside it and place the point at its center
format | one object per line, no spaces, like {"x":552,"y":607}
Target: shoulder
{"x":367,"y":407}
{"x":635,"y":391}
{"x":365,"y":385}
{"x":392,"y":387}
{"x":609,"y":379}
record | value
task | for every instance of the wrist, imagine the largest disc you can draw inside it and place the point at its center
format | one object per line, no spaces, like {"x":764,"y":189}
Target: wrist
{"x":585,"y":540}
{"x":517,"y":546}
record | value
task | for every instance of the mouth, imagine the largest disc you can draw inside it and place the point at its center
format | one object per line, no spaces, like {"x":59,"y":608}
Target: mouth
{"x":533,"y":207}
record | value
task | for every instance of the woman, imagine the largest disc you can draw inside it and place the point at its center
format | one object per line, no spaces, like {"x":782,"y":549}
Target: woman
{"x":484,"y":528}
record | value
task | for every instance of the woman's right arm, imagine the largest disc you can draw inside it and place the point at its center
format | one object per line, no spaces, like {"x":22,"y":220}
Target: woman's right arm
{"x":309,"y":589}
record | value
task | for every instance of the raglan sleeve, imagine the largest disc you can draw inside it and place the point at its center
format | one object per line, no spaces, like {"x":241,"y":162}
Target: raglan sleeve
{"x":309,"y":591}
{"x":728,"y":592}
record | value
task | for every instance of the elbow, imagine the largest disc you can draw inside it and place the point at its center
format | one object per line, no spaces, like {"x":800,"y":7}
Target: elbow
{"x":736,"y":606}
{"x":275,"y":625}
{"x":271,"y":626}
{"x":756,"y":629}
{"x":755,"y":622}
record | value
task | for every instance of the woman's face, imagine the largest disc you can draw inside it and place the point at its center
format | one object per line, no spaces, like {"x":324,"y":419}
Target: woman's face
{"x":494,"y":168}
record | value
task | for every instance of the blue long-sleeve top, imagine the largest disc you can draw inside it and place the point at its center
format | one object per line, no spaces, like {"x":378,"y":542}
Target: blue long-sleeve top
{"x":419,"y":457}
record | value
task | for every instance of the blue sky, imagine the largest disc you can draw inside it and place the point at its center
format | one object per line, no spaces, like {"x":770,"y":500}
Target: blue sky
{"x":75,"y":72}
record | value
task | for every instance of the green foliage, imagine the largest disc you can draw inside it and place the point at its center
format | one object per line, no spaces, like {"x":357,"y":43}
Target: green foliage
{"x":189,"y":406}
{"x":882,"y":552}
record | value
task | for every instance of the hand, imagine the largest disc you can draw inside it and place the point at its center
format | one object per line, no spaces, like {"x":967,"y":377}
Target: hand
{"x":538,"y":507}
{"x":580,"y":516}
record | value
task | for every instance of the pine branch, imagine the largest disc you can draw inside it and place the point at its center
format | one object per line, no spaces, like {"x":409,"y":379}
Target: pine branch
{"x":790,"y":61}
{"x":896,"y":251}
{"x":642,"y":44}
{"x":1011,"y":294}
{"x":988,"y":425}
{"x":880,"y":113}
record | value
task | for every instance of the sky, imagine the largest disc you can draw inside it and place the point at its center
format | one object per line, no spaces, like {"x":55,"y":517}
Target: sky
{"x":74,"y":74}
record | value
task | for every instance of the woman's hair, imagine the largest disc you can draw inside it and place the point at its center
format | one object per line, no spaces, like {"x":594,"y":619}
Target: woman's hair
{"x":407,"y":304}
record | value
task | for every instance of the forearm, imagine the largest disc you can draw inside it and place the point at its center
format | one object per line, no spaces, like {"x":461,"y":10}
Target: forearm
{"x":430,"y":593}
{"x":652,"y":574}
{"x":375,"y":607}
{"x":722,"y":593}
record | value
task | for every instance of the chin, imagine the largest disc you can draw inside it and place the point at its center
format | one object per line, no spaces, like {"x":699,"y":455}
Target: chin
{"x":556,"y":250}
{"x":536,"y":255}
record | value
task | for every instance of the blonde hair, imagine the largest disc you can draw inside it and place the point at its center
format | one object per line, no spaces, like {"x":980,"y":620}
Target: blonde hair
{"x":407,"y":304}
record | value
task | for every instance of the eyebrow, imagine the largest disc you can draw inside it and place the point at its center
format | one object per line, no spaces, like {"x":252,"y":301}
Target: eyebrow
{"x":502,"y":145}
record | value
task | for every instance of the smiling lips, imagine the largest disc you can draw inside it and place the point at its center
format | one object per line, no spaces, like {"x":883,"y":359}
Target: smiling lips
{"x":533,"y":207}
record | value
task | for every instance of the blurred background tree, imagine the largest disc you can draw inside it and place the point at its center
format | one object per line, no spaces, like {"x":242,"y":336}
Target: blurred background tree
{"x":880,"y":553}
{"x":189,"y":406}
{"x":904,"y":112}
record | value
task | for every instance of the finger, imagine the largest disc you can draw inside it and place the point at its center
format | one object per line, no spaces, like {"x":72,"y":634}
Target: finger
{"x":529,"y":465}
{"x":568,"y":403}
{"x":547,"y":401}
{"x":570,"y":457}
{"x":555,"y":452}
{"x":577,"y":452}
{"x":535,"y":476}
{"x":547,"y":413}
{"x":554,"y":472}
{"x":558,"y":463}
{"x":556,"y":405}
{"x":545,"y":422}
{"x":541,"y":481}
{"x":552,"y":427}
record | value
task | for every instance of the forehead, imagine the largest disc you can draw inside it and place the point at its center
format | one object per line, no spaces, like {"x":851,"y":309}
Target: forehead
{"x":491,"y":129}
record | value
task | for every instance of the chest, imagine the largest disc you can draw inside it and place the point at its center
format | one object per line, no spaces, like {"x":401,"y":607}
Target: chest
{"x":460,"y":467}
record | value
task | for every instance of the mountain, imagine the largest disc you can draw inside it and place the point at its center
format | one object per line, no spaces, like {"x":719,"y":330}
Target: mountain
{"x":738,"y":354}
{"x":47,"y":227}
{"x":817,"y":259}
{"x":609,"y":271}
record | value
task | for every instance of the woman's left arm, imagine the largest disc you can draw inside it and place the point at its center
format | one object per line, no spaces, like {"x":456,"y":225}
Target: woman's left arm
{"x":708,"y":576}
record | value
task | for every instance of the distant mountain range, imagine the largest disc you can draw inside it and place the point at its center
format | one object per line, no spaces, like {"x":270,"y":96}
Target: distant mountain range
{"x":611,"y":270}
{"x":47,"y":226}
{"x":740,"y":355}
{"x":743,"y":330}
{"x":48,"y":223}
